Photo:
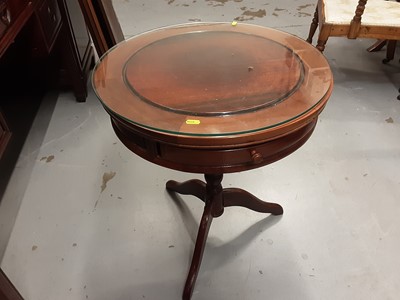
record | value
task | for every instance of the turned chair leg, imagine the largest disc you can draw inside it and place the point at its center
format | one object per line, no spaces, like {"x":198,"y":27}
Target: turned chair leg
{"x":323,"y":36}
{"x":313,"y":26}
{"x":321,"y":45}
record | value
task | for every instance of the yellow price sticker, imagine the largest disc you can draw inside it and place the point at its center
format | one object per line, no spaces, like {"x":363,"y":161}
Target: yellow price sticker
{"x":193,"y":122}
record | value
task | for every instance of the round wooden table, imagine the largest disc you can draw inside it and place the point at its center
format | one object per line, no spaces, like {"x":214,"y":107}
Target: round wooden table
{"x":213,"y":98}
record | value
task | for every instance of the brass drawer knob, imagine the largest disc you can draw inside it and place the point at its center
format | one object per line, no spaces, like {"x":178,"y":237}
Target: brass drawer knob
{"x":256,"y":157}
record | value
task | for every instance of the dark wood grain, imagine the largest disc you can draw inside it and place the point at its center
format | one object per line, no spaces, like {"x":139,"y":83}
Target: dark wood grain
{"x":215,"y":159}
{"x":21,"y":12}
{"x":252,"y":100}
{"x":131,"y":88}
{"x":239,"y":197}
{"x":215,"y":198}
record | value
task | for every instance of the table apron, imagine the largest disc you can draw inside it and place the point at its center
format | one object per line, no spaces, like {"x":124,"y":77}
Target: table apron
{"x":212,"y":160}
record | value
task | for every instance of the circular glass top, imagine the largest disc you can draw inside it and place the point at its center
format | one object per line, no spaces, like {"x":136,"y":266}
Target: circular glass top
{"x":212,"y":79}
{"x":215,"y":73}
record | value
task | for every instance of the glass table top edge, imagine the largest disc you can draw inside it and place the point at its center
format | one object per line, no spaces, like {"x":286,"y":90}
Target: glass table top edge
{"x":198,"y":25}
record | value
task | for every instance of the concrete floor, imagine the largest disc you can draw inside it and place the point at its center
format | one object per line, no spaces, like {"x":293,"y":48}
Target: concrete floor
{"x":339,"y":237}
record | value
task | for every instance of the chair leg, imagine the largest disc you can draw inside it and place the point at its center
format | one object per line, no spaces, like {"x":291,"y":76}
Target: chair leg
{"x":323,"y":37}
{"x":321,"y":45}
{"x":378,"y":45}
{"x":313,"y":26}
{"x":391,"y":47}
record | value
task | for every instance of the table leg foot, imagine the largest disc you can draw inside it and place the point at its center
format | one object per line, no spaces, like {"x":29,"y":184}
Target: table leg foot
{"x":198,"y":251}
{"x":193,"y":187}
{"x":239,"y":197}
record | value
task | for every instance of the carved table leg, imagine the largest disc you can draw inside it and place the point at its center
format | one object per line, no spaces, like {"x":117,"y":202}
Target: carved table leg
{"x":239,"y":197}
{"x":198,"y":251}
{"x":215,"y":199}
{"x":193,"y":187}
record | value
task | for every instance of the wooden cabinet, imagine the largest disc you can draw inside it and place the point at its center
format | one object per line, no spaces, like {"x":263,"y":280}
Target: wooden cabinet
{"x":37,"y":37}
{"x":10,"y":11}
{"x":50,"y":24}
{"x":76,"y":47}
{"x":13,"y":17}
{"x":16,"y":14}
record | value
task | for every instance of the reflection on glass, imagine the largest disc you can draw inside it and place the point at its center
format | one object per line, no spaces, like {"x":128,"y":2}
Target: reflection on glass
{"x":216,"y":72}
{"x":228,"y":80}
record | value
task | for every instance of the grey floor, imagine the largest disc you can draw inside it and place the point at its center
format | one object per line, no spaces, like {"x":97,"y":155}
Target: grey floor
{"x":95,"y":222}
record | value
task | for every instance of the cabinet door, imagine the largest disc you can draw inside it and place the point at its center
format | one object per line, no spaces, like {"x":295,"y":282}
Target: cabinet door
{"x":50,"y":21}
{"x":79,"y":30}
{"x":76,"y":47}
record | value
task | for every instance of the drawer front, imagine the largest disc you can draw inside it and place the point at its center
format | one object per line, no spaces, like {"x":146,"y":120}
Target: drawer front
{"x":210,"y":160}
{"x":220,"y":161}
{"x":50,"y":20}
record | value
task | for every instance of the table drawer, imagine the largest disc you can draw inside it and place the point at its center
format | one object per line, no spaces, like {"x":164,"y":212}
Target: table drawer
{"x":211,"y":160}
{"x":233,"y":159}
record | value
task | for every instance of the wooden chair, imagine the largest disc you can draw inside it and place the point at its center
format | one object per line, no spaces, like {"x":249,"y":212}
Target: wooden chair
{"x":379,"y":44}
{"x":345,"y":18}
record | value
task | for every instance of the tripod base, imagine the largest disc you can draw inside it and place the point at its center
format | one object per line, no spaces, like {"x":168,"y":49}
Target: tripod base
{"x":215,"y":199}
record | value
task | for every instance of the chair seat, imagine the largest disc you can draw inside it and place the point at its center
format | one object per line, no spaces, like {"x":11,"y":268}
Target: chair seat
{"x":341,"y":12}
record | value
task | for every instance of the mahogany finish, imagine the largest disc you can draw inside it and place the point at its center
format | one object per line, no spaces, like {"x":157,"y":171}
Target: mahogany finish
{"x":213,"y":159}
{"x":215,"y":198}
{"x":14,"y":16}
{"x":213,"y":98}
